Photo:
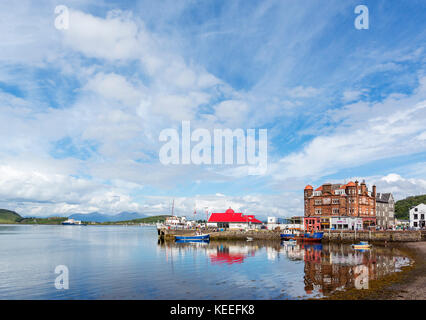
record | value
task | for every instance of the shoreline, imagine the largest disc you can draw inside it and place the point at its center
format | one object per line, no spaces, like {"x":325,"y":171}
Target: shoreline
{"x":408,"y":284}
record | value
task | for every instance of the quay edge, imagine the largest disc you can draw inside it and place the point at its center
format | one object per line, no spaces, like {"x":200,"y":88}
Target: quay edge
{"x":329,"y":236}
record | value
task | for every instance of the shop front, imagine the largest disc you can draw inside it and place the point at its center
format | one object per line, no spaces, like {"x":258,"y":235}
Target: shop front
{"x":368,"y":223}
{"x":344,"y":223}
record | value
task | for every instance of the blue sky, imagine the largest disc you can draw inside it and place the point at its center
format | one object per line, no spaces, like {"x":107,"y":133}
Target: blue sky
{"x":82,"y":108}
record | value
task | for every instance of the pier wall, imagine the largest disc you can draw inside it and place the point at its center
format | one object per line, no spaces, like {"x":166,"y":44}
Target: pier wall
{"x":331,"y":236}
{"x":379,"y":236}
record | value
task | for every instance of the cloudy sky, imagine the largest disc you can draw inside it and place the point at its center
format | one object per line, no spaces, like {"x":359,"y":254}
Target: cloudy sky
{"x":82,"y":108}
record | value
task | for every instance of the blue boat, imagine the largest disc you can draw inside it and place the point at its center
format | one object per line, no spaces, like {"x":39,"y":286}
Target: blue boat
{"x":316,"y":236}
{"x":201,"y":237}
{"x":287,"y":236}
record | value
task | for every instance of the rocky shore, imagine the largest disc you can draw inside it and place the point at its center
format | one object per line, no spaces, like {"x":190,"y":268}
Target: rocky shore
{"x":410,"y":284}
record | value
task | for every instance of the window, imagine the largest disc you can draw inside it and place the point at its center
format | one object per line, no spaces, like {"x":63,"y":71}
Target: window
{"x":416,"y":209}
{"x":335,"y":201}
{"x":335,"y":211}
{"x":317,"y":211}
{"x":318,"y":202}
{"x":422,"y":216}
{"x":415,"y":224}
{"x":415,"y":216}
{"x":326,"y":200}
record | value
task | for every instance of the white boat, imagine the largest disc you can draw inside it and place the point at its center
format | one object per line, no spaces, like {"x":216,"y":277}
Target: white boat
{"x":362,"y":245}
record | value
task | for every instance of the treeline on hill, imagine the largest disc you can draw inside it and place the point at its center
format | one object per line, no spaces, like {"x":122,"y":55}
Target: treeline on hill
{"x":11,"y":217}
{"x":153,"y":219}
{"x":402,"y":207}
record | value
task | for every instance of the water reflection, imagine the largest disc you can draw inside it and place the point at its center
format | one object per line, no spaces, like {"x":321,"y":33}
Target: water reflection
{"x":327,"y":268}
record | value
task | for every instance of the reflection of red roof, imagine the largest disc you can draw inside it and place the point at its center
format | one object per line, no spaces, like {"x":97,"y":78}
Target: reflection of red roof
{"x":232,"y":216}
{"x":309,"y":187}
{"x":223,"y":257}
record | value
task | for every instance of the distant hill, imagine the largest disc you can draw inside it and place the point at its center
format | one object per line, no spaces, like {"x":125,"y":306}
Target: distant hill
{"x":100,"y":217}
{"x":402,"y":207}
{"x":152,"y":219}
{"x":8,"y":216}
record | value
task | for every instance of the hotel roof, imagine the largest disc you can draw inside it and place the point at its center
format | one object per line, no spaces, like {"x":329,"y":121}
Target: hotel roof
{"x":232,"y":216}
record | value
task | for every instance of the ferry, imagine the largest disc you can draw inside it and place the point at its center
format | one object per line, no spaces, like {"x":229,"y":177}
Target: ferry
{"x":72,"y":222}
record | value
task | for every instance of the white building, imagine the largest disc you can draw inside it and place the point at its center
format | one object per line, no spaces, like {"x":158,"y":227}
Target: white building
{"x":285,"y":223}
{"x":417,"y":216}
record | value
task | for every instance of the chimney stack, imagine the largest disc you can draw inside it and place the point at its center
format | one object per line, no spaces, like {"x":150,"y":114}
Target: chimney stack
{"x":374,"y":191}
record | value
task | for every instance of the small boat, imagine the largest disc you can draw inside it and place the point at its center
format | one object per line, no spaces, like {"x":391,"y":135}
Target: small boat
{"x":199,"y":237}
{"x":362,"y":245}
{"x":287,"y":234}
{"x":194,"y":242}
{"x":249,"y":239}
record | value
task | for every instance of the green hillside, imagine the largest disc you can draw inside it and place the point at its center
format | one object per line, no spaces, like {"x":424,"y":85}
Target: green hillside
{"x":50,"y":220}
{"x":8,"y":216}
{"x":403,"y":206}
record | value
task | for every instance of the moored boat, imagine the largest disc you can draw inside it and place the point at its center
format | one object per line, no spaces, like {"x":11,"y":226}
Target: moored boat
{"x":311,"y":237}
{"x":201,"y":237}
{"x":362,"y":245}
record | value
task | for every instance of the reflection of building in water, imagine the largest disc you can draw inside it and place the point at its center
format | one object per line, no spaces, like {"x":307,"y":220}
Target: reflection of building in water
{"x":336,"y":267}
{"x":230,"y":253}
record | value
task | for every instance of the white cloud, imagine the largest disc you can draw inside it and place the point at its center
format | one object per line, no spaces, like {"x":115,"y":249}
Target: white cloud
{"x":361,"y":138}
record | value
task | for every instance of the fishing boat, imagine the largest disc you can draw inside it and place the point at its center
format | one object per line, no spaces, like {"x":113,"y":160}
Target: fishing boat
{"x":311,"y":236}
{"x":288,"y":234}
{"x":362,"y":245}
{"x":197,"y":237}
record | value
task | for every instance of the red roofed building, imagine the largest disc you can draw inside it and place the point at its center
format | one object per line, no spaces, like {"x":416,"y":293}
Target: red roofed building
{"x":232,"y":220}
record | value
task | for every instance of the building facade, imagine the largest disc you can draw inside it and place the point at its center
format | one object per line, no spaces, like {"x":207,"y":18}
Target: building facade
{"x":417,"y":216}
{"x":339,"y":206}
{"x":285,"y":223}
{"x":385,"y":210}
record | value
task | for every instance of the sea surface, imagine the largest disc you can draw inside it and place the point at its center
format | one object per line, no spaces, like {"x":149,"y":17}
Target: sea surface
{"x":119,"y":262}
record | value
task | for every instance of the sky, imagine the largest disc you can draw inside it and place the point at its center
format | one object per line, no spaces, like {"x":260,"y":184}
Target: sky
{"x":82,"y":108}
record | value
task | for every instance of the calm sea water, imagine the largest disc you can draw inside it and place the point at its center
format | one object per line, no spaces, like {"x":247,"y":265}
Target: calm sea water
{"x":118,"y":262}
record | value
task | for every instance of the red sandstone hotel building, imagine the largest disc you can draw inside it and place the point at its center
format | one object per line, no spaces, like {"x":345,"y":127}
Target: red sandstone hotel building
{"x":340,"y":206}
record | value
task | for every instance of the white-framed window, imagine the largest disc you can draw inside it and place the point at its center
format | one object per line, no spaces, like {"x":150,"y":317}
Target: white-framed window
{"x":317,"y":211}
{"x":335,"y":211}
{"x":318,"y":202}
{"x":335,"y":201}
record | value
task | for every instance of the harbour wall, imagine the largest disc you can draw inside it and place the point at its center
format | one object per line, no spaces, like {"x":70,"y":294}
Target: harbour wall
{"x":329,"y":236}
{"x":373,"y":236}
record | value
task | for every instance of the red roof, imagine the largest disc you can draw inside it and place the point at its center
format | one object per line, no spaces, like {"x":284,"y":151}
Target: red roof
{"x":351,"y":184}
{"x":232,"y":216}
{"x":318,"y":189}
{"x":309,"y":187}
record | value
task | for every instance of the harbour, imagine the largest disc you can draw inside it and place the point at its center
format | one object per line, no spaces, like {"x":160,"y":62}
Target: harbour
{"x":113,"y":262}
